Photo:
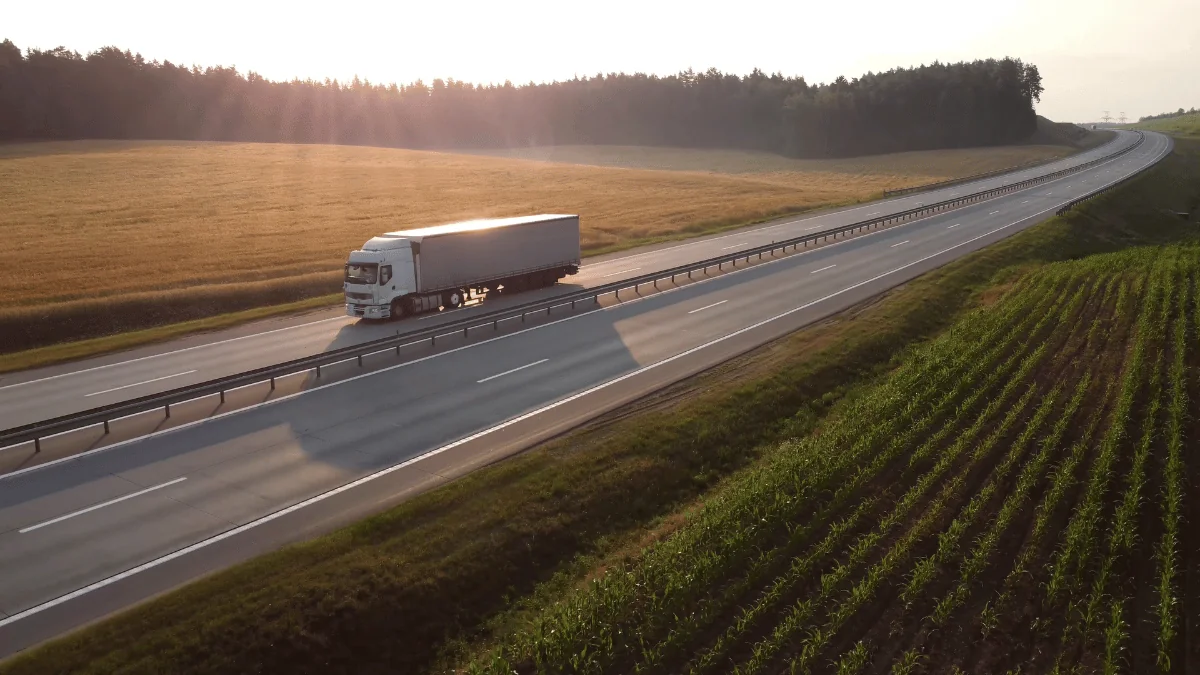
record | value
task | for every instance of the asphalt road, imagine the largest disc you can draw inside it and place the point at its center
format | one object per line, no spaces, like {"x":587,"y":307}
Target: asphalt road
{"x":82,"y":538}
{"x":45,"y":393}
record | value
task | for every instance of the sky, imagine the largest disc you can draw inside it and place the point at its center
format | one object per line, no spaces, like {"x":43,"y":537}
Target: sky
{"x":1137,"y":58}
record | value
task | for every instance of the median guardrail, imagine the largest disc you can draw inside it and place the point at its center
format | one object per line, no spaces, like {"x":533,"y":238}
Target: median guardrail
{"x":966,"y":179}
{"x":1099,"y":191}
{"x":103,"y":415}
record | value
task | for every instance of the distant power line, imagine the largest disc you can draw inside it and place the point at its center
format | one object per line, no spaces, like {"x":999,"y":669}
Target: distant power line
{"x":1106,"y":118}
{"x":1122,"y":118}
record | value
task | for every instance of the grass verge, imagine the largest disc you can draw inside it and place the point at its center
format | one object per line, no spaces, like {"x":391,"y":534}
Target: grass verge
{"x":71,"y":351}
{"x":414,"y":587}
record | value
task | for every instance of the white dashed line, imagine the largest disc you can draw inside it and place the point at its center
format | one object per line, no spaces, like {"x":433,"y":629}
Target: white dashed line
{"x":510,"y":372}
{"x":708,"y":307}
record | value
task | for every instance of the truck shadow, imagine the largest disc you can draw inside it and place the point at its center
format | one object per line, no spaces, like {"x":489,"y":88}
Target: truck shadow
{"x":364,"y":330}
{"x":277,"y":453}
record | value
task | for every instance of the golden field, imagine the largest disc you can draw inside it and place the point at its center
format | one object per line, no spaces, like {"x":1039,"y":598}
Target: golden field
{"x":117,"y":236}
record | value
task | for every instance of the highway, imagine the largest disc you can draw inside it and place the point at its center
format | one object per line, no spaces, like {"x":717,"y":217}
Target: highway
{"x":45,"y":393}
{"x":82,"y":538}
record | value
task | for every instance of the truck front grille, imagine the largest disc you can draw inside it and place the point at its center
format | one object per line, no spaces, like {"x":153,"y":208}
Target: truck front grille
{"x":358,"y":296}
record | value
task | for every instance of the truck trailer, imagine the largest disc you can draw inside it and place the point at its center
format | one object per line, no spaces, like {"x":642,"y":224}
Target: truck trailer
{"x":424,"y":269}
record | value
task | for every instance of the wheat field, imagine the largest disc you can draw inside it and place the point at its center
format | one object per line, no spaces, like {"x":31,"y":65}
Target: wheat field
{"x":89,"y":226}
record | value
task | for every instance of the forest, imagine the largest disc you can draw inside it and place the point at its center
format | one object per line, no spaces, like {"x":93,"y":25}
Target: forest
{"x":116,"y":94}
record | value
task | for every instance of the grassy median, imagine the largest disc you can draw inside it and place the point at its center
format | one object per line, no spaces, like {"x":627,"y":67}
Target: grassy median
{"x":415,"y":588}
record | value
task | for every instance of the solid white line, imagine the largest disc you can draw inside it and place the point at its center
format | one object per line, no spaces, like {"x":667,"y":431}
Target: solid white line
{"x":281,"y":399}
{"x":708,"y":307}
{"x":101,"y":505}
{"x":177,"y":351}
{"x":449,"y":446}
{"x":823,"y":269}
{"x":901,"y":243}
{"x":138,"y":384}
{"x":510,"y":372}
{"x":108,"y":581}
{"x":953,"y":226}
{"x":735,"y":246}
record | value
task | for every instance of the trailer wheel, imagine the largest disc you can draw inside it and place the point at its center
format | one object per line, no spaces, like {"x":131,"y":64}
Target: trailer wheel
{"x":453,"y":299}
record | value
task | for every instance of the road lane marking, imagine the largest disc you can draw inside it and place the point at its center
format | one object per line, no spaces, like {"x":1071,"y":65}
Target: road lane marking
{"x":823,"y":269}
{"x":953,"y":226}
{"x":901,"y":243}
{"x":177,"y":351}
{"x":873,"y":214}
{"x":281,"y":399}
{"x":510,"y":372}
{"x":993,"y":213}
{"x":110,"y":580}
{"x":708,"y":307}
{"x":1025,"y":202}
{"x":101,"y":505}
{"x":138,"y":384}
{"x":631,"y":269}
{"x":735,"y":246}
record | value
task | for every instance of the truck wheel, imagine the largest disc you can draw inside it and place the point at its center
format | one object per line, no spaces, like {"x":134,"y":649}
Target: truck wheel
{"x":397,"y":309}
{"x":453,"y":299}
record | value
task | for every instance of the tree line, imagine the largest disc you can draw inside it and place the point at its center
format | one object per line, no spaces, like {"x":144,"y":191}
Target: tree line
{"x":1167,"y":115}
{"x":115,"y":94}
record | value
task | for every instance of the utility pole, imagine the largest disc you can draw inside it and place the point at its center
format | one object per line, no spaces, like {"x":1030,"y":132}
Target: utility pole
{"x":1106,"y":118}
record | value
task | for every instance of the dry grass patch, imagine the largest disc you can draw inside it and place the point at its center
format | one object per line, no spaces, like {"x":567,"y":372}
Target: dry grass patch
{"x":883,"y":172}
{"x":142,"y":233}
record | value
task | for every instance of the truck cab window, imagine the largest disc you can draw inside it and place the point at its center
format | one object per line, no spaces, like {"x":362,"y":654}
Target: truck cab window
{"x":385,"y":274}
{"x":362,"y":273}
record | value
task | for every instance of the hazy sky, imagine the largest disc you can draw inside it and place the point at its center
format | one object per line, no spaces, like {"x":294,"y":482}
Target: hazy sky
{"x":1094,"y":55}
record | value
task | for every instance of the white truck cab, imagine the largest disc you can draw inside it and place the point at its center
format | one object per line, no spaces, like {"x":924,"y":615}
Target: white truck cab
{"x":378,"y":275}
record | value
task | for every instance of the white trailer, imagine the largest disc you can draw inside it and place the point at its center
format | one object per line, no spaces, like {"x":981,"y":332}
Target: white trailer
{"x":414,"y":271}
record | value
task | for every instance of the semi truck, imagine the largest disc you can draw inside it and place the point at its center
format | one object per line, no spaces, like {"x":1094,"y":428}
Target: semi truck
{"x":420,"y":270}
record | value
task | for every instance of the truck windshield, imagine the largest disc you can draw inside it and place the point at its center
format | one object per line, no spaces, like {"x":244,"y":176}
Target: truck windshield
{"x":362,"y":273}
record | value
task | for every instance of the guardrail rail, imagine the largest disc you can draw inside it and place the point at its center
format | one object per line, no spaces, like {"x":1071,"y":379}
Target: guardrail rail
{"x":1111,"y":186}
{"x":103,"y":415}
